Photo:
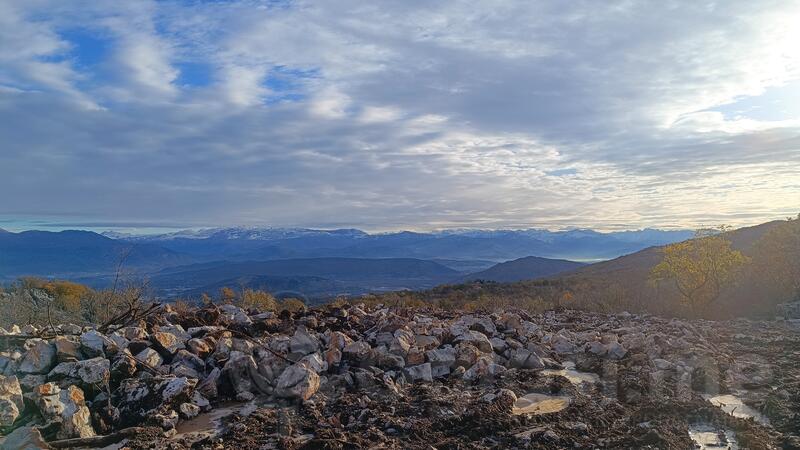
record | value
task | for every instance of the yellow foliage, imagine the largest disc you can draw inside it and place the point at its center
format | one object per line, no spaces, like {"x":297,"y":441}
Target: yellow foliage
{"x":263,"y":301}
{"x":699,"y":268}
{"x":227,"y":295}
{"x":293,"y":305}
{"x":776,"y":258}
{"x":67,"y":294}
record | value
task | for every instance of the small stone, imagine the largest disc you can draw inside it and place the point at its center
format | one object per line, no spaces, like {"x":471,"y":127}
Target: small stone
{"x":188,"y":411}
{"x":199,"y":347}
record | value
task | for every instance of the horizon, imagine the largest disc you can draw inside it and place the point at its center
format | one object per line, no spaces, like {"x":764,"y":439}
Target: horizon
{"x":160,"y":230}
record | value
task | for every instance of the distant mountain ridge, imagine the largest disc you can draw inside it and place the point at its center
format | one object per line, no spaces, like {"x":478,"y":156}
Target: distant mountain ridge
{"x":70,"y":253}
{"x":528,"y":268}
{"x":249,"y":243}
{"x":182,"y":261}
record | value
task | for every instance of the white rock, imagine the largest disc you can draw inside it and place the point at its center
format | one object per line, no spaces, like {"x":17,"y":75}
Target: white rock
{"x":150,"y":357}
{"x":40,"y":357}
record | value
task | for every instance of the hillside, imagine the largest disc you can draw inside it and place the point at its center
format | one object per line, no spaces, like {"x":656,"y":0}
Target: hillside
{"x":771,"y":276}
{"x":71,"y":253}
{"x":528,"y":268}
{"x":313,"y":277}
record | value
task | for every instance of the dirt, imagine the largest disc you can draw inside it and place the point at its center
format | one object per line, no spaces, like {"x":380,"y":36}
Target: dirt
{"x":624,"y":411}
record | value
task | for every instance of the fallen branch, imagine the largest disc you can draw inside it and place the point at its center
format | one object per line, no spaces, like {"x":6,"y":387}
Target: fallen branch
{"x":97,"y":441}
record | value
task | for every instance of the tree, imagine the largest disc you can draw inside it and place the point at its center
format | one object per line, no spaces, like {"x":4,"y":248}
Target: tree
{"x":776,"y":258}
{"x":700,"y":268}
{"x":68,"y":295}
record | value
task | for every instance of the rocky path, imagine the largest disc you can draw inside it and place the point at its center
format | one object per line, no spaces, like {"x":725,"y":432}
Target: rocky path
{"x":358,"y":377}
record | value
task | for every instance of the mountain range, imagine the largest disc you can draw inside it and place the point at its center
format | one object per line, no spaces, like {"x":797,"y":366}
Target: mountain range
{"x":313,"y":263}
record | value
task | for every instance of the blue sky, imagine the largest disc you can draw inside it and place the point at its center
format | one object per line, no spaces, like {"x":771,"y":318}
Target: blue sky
{"x":386,"y":115}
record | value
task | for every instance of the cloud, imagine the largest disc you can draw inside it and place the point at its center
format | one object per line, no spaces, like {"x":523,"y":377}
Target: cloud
{"x":400,"y":114}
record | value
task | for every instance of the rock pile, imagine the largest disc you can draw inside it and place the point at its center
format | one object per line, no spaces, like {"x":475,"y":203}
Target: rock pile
{"x":172,"y":367}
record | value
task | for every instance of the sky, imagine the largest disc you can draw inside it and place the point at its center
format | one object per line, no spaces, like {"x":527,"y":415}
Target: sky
{"x":387,"y":115}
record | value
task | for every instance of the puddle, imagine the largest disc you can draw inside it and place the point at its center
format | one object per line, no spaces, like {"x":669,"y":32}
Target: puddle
{"x":210,"y":423}
{"x":583,"y":380}
{"x":734,"y":406}
{"x":538,"y":404}
{"x":711,"y":437}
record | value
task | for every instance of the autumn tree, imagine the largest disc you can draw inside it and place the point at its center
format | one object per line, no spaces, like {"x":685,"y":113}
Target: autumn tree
{"x":776,"y":260}
{"x":700,"y":268}
{"x":67,"y":295}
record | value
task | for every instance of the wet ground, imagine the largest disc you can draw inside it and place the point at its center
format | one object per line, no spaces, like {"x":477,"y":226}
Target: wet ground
{"x":742,"y":390}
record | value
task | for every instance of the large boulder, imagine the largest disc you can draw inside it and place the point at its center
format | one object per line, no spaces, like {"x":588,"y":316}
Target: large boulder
{"x":297,"y":381}
{"x":39,"y":359}
{"x":562,"y":345}
{"x":441,"y":360}
{"x":10,"y":389}
{"x":93,"y":371}
{"x":67,"y":407}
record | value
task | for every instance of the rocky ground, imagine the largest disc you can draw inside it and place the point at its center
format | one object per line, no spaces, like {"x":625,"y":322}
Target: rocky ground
{"x":358,"y":377}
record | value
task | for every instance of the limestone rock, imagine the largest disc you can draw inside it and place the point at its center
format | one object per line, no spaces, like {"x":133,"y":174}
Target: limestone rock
{"x":303,"y":343}
{"x":24,"y":438}
{"x":93,"y":343}
{"x":297,"y":381}
{"x":67,"y":348}
{"x":167,"y":343}
{"x":67,"y":407}
{"x":40,"y":358}
{"x":421,"y":372}
{"x":525,"y":359}
{"x":150,"y":357}
{"x":476,"y":338}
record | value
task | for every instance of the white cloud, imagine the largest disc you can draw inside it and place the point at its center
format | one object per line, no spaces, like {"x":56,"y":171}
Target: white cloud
{"x":400,"y":114}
